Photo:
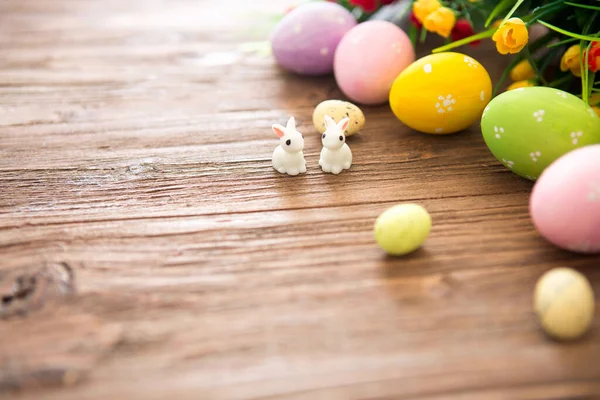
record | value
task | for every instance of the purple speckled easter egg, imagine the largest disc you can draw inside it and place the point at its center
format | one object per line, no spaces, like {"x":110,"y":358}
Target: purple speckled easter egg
{"x":565,"y":201}
{"x":305,"y":40}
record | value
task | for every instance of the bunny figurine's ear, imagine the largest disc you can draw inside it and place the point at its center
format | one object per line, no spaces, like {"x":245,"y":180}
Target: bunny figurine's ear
{"x":343,"y":124}
{"x":329,"y":122}
{"x":291,"y":124}
{"x":279,"y":130}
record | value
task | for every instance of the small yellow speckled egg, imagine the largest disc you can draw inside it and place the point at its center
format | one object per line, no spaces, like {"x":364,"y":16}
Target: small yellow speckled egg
{"x":564,"y":303}
{"x":338,"y":109}
{"x":402,"y":229}
{"x":441,"y":93}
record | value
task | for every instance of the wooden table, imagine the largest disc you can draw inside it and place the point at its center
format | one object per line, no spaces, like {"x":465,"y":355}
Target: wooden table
{"x":135,"y":145}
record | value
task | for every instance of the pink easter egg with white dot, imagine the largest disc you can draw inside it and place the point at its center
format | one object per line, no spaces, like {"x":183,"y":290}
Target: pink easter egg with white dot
{"x":368,"y":60}
{"x":565,"y":202}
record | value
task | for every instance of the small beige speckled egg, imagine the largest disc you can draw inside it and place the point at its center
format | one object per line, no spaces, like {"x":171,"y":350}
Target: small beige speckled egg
{"x":564,"y":303}
{"x":338,"y":109}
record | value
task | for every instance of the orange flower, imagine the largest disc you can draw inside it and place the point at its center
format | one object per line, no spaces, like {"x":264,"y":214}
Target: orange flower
{"x":522,"y":71}
{"x":441,"y":21}
{"x":597,"y":110}
{"x":422,"y":8}
{"x":571,"y":60}
{"x":520,"y":84}
{"x":511,"y":36}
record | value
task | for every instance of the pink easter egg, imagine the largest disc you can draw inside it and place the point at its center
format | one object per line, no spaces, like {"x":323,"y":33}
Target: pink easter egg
{"x":368,"y":60}
{"x":565,"y":202}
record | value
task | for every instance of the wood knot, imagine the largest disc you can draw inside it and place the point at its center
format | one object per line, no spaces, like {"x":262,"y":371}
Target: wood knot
{"x":26,"y":289}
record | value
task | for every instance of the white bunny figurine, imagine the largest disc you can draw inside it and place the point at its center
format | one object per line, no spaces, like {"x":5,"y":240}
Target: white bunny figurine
{"x":336,"y":155}
{"x":288,"y":157}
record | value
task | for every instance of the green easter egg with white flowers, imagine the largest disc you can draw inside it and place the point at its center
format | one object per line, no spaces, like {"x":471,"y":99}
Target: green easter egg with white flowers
{"x":529,"y":128}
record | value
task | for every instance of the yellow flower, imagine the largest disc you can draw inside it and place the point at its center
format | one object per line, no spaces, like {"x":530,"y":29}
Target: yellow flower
{"x":497,"y":23}
{"x":511,"y":36}
{"x":520,"y":84}
{"x":571,"y":60}
{"x":522,"y":71}
{"x":441,"y":21}
{"x":597,"y":109}
{"x":422,"y":8}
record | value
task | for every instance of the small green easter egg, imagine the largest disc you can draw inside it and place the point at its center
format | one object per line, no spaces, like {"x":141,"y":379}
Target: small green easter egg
{"x":402,"y":229}
{"x":529,"y":128}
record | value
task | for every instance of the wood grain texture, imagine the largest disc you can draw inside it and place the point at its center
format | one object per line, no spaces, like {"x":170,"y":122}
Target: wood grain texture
{"x":135,"y":145}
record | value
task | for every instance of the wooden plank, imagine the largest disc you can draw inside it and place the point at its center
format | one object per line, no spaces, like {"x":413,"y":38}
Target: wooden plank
{"x":135,"y":145}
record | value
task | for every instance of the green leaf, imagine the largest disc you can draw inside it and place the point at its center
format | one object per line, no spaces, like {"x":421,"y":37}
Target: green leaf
{"x":584,"y":74}
{"x":597,"y":8}
{"x":514,"y":62}
{"x":413,"y":33}
{"x":591,"y":78}
{"x":536,"y":16}
{"x":558,"y":82}
{"x":503,"y":5}
{"x":512,"y":11}
{"x":482,"y":35}
{"x":548,"y":58}
{"x":423,"y":35}
{"x":541,"y":42}
{"x":567,"y":33}
{"x":580,"y":16}
{"x":586,"y":83}
{"x":463,"y":9}
{"x":566,"y":41}
{"x":534,"y":66}
{"x":588,"y":25}
{"x":478,"y":18}
{"x":547,"y":6}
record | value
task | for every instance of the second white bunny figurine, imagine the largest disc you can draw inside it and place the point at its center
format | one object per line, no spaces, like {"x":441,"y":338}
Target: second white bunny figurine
{"x":288,"y":157}
{"x":336,"y":155}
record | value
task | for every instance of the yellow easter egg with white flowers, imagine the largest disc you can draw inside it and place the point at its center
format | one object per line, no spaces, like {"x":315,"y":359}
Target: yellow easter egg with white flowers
{"x":441,"y":93}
